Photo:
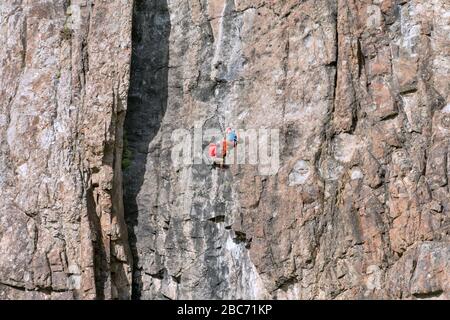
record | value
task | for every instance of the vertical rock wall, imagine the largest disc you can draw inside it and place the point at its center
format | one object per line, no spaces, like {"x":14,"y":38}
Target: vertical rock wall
{"x":360,"y":94}
{"x":359,"y":207}
{"x":64,"y":74}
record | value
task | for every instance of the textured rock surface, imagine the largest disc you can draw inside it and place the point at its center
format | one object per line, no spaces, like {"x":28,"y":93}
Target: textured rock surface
{"x":360,"y":92}
{"x":64,"y":74}
{"x":359,"y":207}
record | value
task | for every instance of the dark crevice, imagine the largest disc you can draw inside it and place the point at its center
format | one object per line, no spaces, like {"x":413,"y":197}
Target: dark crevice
{"x":389,"y":117}
{"x":241,"y":237}
{"x":408,"y":91}
{"x":159,"y":275}
{"x":217,"y":219}
{"x":177,"y":279}
{"x":361,"y":59}
{"x":147,"y":101}
{"x":101,"y":264}
{"x":285,"y":283}
{"x":428,"y":295}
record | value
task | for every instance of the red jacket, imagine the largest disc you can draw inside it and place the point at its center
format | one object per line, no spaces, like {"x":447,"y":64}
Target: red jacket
{"x":212,"y":150}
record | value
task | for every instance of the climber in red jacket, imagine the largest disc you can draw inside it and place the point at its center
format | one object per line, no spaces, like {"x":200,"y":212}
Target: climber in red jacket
{"x":218,"y":152}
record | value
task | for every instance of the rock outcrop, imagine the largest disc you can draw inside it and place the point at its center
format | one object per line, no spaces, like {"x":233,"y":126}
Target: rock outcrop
{"x":63,"y":90}
{"x":352,"y":97}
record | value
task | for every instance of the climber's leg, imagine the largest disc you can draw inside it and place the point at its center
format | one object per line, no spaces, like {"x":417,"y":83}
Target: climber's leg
{"x":223,"y":161}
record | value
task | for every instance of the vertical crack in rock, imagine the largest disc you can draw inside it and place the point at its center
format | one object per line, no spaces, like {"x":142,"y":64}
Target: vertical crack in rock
{"x":99,"y":255}
{"x":146,"y":107}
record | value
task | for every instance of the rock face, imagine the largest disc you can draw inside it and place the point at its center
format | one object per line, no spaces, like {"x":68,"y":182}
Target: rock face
{"x":64,"y":76}
{"x":355,"y":96}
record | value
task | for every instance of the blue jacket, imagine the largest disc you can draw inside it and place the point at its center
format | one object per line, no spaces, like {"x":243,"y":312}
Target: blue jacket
{"x":232,"y":136}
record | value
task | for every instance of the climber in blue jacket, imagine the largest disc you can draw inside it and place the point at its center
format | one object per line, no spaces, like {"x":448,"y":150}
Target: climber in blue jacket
{"x":232,"y":137}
